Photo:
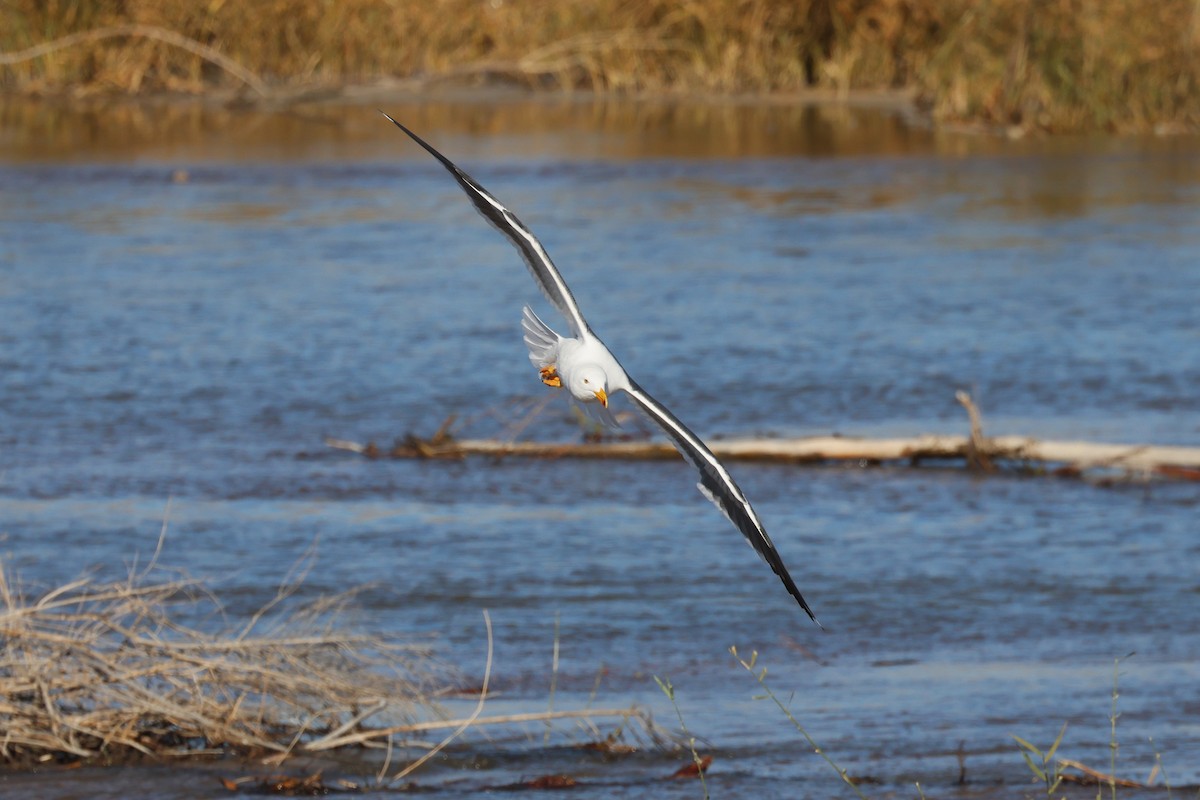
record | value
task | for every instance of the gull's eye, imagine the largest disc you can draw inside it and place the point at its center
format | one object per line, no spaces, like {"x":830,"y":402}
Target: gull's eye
{"x":585,"y":380}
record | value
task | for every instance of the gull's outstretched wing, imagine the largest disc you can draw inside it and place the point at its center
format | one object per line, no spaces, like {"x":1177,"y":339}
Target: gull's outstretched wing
{"x":718,"y":486}
{"x":543,"y":269}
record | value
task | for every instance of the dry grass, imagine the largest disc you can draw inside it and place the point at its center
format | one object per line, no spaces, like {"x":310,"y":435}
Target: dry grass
{"x":1070,"y":65}
{"x":107,"y":671}
{"x":1048,"y":64}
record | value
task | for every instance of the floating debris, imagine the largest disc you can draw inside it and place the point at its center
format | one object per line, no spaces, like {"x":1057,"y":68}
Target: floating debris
{"x":693,"y":769}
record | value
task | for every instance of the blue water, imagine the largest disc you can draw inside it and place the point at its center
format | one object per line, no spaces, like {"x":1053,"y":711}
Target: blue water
{"x":196,"y":342}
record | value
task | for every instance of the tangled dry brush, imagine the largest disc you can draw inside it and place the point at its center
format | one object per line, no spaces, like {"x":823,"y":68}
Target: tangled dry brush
{"x":107,"y":671}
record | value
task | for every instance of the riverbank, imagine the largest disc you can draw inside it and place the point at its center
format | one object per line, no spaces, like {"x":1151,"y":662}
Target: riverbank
{"x":1016,"y":65}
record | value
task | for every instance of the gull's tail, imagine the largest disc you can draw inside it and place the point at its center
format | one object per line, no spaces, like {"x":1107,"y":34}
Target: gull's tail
{"x":541,"y":340}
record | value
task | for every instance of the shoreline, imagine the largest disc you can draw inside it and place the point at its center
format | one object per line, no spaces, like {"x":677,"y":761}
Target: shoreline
{"x":339,"y":122}
{"x":407,"y":91}
{"x":906,"y":103}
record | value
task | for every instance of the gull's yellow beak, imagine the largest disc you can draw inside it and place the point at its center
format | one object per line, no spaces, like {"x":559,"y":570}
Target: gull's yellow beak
{"x":602,"y":396}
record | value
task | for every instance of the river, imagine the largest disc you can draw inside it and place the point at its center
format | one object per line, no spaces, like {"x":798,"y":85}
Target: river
{"x":192,"y":299}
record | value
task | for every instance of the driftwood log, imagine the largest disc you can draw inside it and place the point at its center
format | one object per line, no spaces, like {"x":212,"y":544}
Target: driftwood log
{"x":1061,"y":456}
{"x":978,"y":452}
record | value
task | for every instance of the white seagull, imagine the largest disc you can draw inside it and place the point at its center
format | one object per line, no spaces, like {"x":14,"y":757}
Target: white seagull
{"x":592,"y":374}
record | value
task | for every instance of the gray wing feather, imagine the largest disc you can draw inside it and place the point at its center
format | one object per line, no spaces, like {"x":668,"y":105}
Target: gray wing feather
{"x":540,"y":339}
{"x":505,"y":221}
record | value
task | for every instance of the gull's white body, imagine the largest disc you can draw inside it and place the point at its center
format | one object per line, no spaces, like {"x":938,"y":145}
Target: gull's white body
{"x":590,"y":372}
{"x":580,"y":361}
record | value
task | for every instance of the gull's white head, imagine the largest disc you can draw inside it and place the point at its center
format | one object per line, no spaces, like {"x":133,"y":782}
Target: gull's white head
{"x":589,"y":384}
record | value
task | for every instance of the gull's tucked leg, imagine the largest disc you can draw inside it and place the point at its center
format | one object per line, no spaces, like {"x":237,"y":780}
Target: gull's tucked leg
{"x":550,"y":377}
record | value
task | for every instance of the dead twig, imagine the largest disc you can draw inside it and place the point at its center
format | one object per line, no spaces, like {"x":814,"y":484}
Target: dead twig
{"x":1093,"y":777}
{"x":977,"y":446}
{"x":487,"y":676}
{"x":331,"y":742}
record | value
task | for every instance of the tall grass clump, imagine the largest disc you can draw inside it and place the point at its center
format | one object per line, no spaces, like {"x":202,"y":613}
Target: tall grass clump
{"x":1031,"y":64}
{"x":1041,"y":763}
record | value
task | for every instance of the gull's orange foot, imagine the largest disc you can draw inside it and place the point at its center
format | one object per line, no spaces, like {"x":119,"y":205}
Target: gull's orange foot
{"x":550,"y":377}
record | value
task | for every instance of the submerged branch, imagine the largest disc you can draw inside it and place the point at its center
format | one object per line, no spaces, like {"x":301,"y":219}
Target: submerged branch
{"x":332,"y":742}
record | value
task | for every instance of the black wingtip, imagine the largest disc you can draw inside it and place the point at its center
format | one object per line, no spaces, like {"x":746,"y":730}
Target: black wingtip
{"x":447,"y":163}
{"x":414,"y":137}
{"x":793,"y":590}
{"x":776,"y":563}
{"x":808,"y":610}
{"x":392,"y":120}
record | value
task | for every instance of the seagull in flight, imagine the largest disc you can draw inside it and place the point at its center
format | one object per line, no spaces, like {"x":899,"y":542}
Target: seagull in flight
{"x":591,"y":374}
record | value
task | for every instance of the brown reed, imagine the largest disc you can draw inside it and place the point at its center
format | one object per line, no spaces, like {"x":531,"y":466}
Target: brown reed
{"x":1028,"y":64}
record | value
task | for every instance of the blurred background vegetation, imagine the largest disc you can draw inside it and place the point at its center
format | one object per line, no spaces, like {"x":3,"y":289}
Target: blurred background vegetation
{"x":1057,"y":65}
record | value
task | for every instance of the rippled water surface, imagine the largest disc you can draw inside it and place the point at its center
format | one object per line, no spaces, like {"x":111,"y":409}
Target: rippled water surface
{"x":191,"y":301}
